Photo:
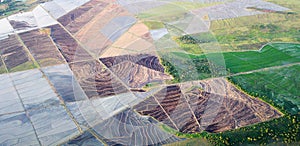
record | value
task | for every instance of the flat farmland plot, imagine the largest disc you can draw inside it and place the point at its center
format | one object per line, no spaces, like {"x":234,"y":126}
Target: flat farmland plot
{"x":53,"y":125}
{"x":67,"y":45}
{"x":27,"y":21}
{"x":64,"y":82}
{"x":268,"y":56}
{"x":77,"y":18}
{"x":6,"y":28}
{"x":10,"y":101}
{"x":14,"y":55}
{"x":34,"y":89}
{"x":110,"y":25}
{"x":17,"y":130}
{"x":85,"y":138}
{"x":41,"y":47}
{"x":23,"y":21}
{"x":280,"y":87}
{"x":271,"y":55}
{"x":129,"y":128}
{"x":131,"y":42}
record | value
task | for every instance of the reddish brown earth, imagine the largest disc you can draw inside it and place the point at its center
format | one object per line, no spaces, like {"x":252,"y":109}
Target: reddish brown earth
{"x":13,"y":53}
{"x":216,"y":104}
{"x":67,"y":45}
{"x":95,"y":80}
{"x":20,"y":25}
{"x":150,"y":107}
{"x":175,"y":105}
{"x":147,"y":60}
{"x":76,"y":19}
{"x":91,"y":36}
{"x":41,"y":47}
{"x":137,"y":76}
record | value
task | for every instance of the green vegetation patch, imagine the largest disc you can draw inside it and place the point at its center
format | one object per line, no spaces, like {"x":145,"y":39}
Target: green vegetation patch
{"x":185,"y":67}
{"x":154,"y":25}
{"x":25,"y":66}
{"x":172,"y":11}
{"x":258,"y":134}
{"x":279,"y":87}
{"x":9,"y":7}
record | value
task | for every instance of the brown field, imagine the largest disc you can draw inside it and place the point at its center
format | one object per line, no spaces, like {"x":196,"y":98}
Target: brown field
{"x":150,"y":107}
{"x":14,"y":55}
{"x":148,"y":60}
{"x":76,"y":19}
{"x":141,"y":30}
{"x":95,"y":80}
{"x":137,"y":76}
{"x":137,"y":70}
{"x":41,"y":47}
{"x":67,"y":45}
{"x":216,"y":104}
{"x":90,"y":34}
{"x":138,"y":39}
{"x":113,"y":52}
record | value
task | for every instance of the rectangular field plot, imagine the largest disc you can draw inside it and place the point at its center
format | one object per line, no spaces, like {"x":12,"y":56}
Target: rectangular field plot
{"x":84,"y":139}
{"x":27,"y":21}
{"x":53,"y":125}
{"x":6,"y":28}
{"x":237,"y":9}
{"x":137,"y":7}
{"x":16,"y":129}
{"x":10,"y":101}
{"x":23,"y":21}
{"x":109,"y":106}
{"x":41,"y":47}
{"x":84,"y":113}
{"x":64,"y":82}
{"x":105,"y":28}
{"x":68,"y":46}
{"x":54,"y":9}
{"x":14,"y":55}
{"x":34,"y":89}
{"x":128,"y":128}
{"x":76,"y":19}
{"x":95,"y":80}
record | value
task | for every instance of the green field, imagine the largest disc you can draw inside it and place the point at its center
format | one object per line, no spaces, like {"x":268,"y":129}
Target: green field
{"x":9,"y":7}
{"x":250,"y":32}
{"x":171,"y":11}
{"x":218,"y":64}
{"x":280,"y":87}
{"x":284,"y":130}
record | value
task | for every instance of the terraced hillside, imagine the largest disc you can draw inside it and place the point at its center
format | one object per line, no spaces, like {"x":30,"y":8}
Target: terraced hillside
{"x":214,"y":105}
